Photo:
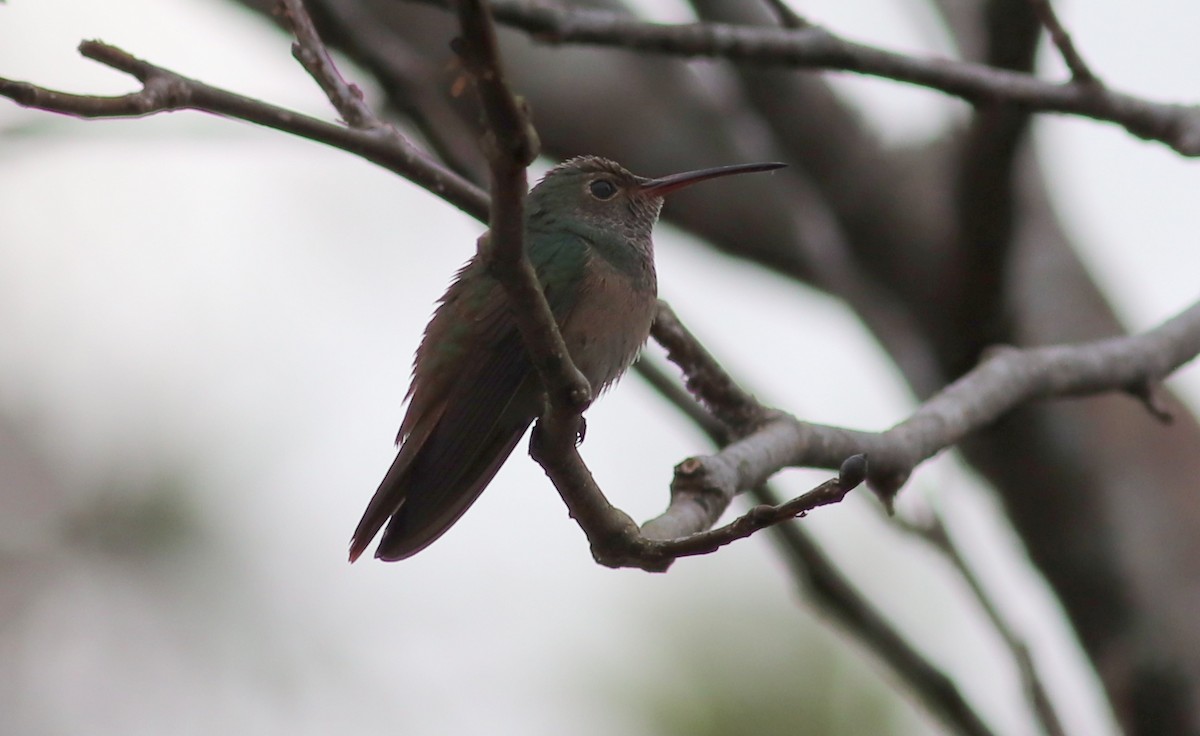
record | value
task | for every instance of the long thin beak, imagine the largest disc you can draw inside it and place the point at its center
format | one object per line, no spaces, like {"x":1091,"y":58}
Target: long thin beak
{"x":664,"y":185}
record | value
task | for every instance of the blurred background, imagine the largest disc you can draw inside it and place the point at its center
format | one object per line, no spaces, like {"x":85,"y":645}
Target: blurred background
{"x":205,"y":336}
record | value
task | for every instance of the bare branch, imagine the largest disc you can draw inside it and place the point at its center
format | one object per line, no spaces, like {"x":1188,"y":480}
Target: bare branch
{"x":685,"y":402}
{"x":704,"y":376}
{"x":788,"y":18}
{"x":1006,"y":379}
{"x":310,"y":51}
{"x":1154,"y":399}
{"x":510,"y":145}
{"x":165,"y":91}
{"x":933,"y":531}
{"x":812,"y":47}
{"x":412,"y":84}
{"x":818,"y":576}
{"x":683,"y":544}
{"x":1080,"y":72}
{"x":829,"y":590}
{"x":974,"y":287}
{"x":703,"y":486}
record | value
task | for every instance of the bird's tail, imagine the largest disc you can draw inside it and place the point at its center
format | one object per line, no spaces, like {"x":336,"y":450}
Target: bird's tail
{"x":428,"y":488}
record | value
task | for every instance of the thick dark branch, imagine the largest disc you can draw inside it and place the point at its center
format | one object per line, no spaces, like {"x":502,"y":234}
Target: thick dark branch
{"x":812,"y":47}
{"x":973,"y":292}
{"x":165,"y":91}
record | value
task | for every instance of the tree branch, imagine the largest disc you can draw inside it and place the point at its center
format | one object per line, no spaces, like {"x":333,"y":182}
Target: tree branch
{"x":819,"y":577}
{"x":510,"y":144}
{"x":310,"y":51}
{"x":813,"y":47}
{"x":788,"y":18}
{"x":933,"y":532}
{"x":932,"y":424}
{"x":1006,"y":379}
{"x":1080,"y":71}
{"x":166,"y":91}
{"x":829,"y":590}
{"x":413,"y":85}
{"x":974,"y":309}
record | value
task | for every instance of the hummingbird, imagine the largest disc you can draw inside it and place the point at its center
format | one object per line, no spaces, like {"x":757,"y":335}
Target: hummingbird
{"x":474,"y":388}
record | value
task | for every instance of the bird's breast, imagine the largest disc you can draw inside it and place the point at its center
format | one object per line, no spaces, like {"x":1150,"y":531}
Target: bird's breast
{"x":610,"y":320}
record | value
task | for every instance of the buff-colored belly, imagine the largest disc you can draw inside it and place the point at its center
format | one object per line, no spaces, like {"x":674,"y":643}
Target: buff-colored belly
{"x":610,"y":323}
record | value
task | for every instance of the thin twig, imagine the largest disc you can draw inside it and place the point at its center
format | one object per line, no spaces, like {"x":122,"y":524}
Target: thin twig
{"x":759,"y":517}
{"x":788,"y":18}
{"x":934,"y":533}
{"x":165,"y":91}
{"x":1081,"y":73}
{"x":812,"y":47}
{"x":820,"y":581}
{"x":704,"y":376}
{"x":412,"y":84}
{"x":312,"y":54}
{"x":847,"y":607}
{"x":682,"y":399}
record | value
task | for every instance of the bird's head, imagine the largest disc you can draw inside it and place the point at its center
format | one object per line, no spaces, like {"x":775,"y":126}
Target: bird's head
{"x":595,"y":192}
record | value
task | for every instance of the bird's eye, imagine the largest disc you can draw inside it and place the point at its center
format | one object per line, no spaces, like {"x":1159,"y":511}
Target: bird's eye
{"x":603,"y":189}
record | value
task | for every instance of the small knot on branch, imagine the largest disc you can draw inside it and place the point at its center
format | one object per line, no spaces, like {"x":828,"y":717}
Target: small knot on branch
{"x":853,"y":471}
{"x":886,"y":486}
{"x":1151,"y":396}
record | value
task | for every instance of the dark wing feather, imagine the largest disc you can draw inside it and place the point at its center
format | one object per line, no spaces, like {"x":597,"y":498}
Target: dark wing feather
{"x":475,"y":395}
{"x":483,"y":420}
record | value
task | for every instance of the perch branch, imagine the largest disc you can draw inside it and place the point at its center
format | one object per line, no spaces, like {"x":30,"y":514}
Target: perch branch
{"x":510,"y":144}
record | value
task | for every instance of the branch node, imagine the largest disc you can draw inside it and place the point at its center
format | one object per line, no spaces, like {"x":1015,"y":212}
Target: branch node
{"x":853,"y":471}
{"x":887,"y":486}
{"x":1080,"y":72}
{"x":787,"y":17}
{"x":1151,"y":396}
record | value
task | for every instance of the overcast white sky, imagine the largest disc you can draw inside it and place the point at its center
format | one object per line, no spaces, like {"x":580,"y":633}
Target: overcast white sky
{"x":177,"y":296}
